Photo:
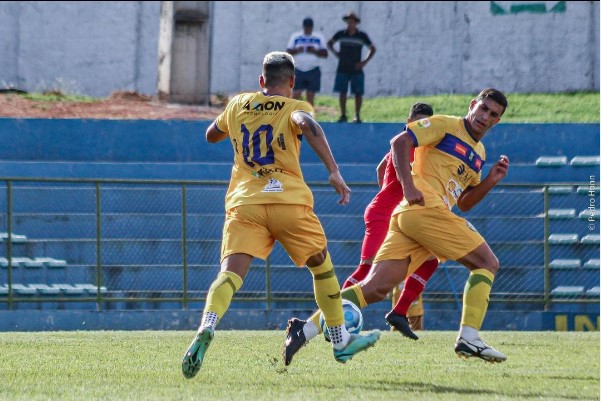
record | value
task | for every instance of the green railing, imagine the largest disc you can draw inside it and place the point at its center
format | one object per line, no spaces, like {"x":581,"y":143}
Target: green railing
{"x":117,"y":246}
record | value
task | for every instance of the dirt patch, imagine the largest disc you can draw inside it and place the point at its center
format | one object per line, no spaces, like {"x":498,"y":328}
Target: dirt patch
{"x":122,"y":105}
{"x":118,"y":106}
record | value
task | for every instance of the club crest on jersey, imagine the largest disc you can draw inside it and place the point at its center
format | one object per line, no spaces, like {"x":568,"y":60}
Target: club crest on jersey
{"x":273,"y":186}
{"x":423,"y":123}
{"x":454,"y":189}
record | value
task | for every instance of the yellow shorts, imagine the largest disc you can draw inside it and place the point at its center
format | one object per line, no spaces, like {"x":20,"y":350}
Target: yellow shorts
{"x":438,"y":231}
{"x":253,"y":229}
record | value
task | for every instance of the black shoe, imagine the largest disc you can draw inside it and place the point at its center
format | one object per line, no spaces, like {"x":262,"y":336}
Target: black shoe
{"x":401,"y":323}
{"x":357,"y":120}
{"x":342,"y":119}
{"x":295,"y":339}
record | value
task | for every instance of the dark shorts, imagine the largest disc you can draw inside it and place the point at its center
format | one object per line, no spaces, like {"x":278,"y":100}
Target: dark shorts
{"x":307,"y":80}
{"x":356,"y":80}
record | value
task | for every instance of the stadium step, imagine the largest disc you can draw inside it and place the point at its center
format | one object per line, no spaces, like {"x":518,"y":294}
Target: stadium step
{"x":551,"y":161}
{"x":587,"y":189}
{"x":584,"y":161}
{"x":560,"y":189}
{"x":586,"y":214}
{"x":590,"y":239}
{"x":16,"y":238}
{"x":563,"y":239}
{"x":561,"y":213}
{"x":565,"y":264}
{"x":591,"y":264}
{"x":567,"y":291}
{"x":593,"y":292}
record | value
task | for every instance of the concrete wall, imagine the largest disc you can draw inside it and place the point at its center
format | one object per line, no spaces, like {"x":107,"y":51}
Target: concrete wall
{"x":423,"y":47}
{"x":79,"y":47}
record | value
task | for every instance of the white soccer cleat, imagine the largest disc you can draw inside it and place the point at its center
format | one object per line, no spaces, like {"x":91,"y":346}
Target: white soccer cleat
{"x":478,"y":348}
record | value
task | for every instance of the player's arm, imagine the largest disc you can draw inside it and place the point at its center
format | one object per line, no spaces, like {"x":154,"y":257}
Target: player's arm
{"x":471,"y":196}
{"x":401,"y":147}
{"x":214,"y":134}
{"x":316,"y":138}
{"x":380,"y":170}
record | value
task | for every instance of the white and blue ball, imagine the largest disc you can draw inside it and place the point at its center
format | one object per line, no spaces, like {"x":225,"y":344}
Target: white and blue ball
{"x":353,"y":318}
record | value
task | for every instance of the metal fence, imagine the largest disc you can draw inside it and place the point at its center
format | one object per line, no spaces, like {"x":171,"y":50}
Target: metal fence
{"x":124,"y":244}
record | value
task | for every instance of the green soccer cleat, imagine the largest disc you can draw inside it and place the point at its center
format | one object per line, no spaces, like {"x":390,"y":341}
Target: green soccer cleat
{"x":356,"y":344}
{"x":196,"y":352}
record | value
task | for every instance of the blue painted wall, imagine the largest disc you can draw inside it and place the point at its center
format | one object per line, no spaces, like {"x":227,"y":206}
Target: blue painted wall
{"x":183,"y":141}
{"x":157,"y":149}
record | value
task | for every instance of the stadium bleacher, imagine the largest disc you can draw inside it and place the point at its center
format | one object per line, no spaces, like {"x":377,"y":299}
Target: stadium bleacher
{"x":54,"y":224}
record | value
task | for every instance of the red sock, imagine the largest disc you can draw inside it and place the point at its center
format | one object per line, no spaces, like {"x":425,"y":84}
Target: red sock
{"x":358,"y":275}
{"x":414,"y":286}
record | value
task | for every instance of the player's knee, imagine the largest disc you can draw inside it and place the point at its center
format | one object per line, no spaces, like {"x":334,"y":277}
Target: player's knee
{"x":375,"y":292}
{"x":317,"y":259}
{"x":492,"y":264}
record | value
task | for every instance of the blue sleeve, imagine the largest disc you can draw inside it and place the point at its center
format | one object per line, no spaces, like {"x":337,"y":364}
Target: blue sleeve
{"x":412,"y":135}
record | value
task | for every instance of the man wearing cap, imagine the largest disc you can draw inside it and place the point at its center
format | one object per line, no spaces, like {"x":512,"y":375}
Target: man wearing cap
{"x":307,"y":47}
{"x":350,"y":63}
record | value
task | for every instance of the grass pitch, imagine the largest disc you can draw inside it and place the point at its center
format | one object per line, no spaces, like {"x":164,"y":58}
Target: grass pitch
{"x":246,"y":365}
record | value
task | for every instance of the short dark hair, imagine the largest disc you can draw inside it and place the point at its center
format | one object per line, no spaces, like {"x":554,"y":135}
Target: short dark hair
{"x":278,"y":68}
{"x":494,"y":94}
{"x":308,"y":22}
{"x":420,"y":108}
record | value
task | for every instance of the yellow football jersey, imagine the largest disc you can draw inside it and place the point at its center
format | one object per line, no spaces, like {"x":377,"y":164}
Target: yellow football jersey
{"x":447,"y":160}
{"x":266,"y":146}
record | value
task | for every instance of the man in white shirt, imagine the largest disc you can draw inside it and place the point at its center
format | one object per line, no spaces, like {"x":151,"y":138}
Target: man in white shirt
{"x":307,"y":47}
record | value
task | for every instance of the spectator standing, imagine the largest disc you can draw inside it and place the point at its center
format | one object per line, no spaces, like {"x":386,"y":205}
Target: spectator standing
{"x":307,"y":47}
{"x":350,"y":63}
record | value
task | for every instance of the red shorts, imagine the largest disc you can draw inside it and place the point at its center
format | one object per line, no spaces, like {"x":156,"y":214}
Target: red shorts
{"x":376,"y":227}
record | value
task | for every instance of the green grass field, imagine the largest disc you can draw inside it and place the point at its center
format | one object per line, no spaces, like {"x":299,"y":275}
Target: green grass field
{"x":569,"y":107}
{"x":246,"y":365}
{"x":576,"y":107}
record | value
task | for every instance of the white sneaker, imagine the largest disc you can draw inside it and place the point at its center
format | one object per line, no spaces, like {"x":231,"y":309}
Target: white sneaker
{"x":478,"y":348}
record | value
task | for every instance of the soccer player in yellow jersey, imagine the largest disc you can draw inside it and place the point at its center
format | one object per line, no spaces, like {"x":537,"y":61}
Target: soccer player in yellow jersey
{"x":268,"y":200}
{"x":447,"y":170}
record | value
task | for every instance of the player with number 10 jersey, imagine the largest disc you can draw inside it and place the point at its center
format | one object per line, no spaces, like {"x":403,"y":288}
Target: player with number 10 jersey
{"x":266,"y":150}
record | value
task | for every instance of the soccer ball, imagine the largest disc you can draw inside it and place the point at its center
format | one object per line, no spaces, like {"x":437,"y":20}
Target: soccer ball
{"x":353,"y":318}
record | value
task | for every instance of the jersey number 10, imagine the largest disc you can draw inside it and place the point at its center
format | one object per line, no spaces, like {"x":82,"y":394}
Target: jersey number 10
{"x":251,"y":145}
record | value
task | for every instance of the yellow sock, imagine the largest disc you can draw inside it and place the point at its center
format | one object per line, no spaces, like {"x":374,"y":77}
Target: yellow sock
{"x":355,"y":295}
{"x":221,"y":293}
{"x":352,"y":293}
{"x":475,"y":297}
{"x":327,"y":292}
